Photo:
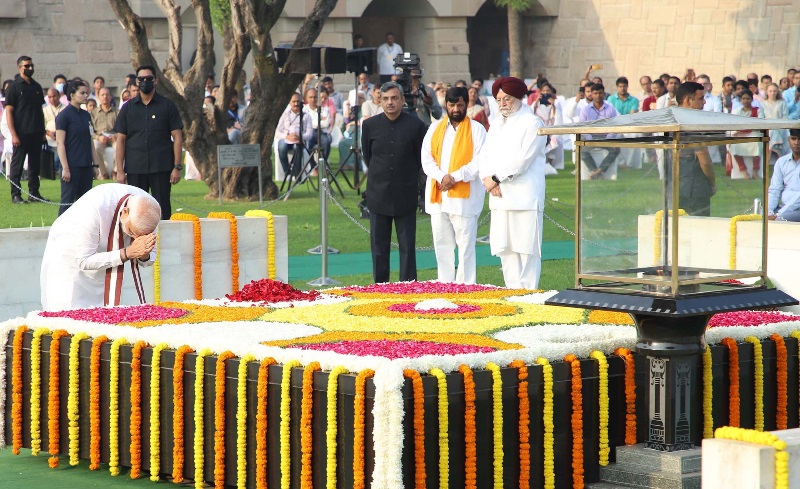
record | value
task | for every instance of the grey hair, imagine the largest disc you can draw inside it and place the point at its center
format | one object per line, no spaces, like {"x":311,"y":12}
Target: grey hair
{"x":145,"y":212}
{"x":390,"y":85}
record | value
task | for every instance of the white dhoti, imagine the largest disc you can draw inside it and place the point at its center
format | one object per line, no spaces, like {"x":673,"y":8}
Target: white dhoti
{"x":520,"y":252}
{"x":451,"y":231}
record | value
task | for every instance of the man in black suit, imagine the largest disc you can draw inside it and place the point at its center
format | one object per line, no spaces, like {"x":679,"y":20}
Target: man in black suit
{"x":392,"y":147}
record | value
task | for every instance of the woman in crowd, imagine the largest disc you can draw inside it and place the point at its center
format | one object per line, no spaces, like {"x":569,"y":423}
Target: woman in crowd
{"x":774,"y":107}
{"x":744,"y":152}
{"x":475,"y":110}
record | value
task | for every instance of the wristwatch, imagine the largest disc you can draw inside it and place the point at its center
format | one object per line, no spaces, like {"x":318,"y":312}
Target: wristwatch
{"x":179,"y":166}
{"x":495,"y":179}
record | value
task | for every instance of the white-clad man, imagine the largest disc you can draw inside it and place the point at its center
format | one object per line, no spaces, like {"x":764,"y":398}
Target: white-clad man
{"x":511,"y":167}
{"x":454,"y":193}
{"x":89,"y":244}
{"x":386,"y":54}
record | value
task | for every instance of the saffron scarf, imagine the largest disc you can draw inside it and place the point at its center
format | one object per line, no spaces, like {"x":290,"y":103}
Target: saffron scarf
{"x":116,"y":241}
{"x":460,"y":155}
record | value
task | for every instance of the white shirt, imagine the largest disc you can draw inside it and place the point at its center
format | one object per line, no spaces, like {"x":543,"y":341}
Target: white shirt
{"x":665,"y":101}
{"x":514,"y":152}
{"x":713,"y":103}
{"x":571,"y":111}
{"x":386,"y":55}
{"x":784,"y":187}
{"x":75,"y":258}
{"x":470,"y":206}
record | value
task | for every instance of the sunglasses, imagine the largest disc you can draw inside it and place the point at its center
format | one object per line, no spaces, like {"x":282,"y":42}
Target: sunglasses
{"x":145,"y":78}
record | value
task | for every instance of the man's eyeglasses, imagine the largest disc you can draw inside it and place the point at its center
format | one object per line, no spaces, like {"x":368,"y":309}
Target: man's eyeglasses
{"x":145,"y":78}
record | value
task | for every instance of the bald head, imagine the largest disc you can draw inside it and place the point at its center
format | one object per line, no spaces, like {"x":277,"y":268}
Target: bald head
{"x":53,"y":97}
{"x":144,"y":214}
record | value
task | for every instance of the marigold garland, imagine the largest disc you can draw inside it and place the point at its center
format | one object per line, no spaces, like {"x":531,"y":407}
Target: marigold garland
{"x":758,"y":374}
{"x":199,"y":421}
{"x":261,"y":423}
{"x":549,"y":455}
{"x":155,"y":412}
{"x":419,"y":428}
{"x":178,"y":455}
{"x":234,"y":231}
{"x":734,"y":406}
{"x":708,"y":395}
{"x":497,"y":423}
{"x":576,"y":420}
{"x":470,"y":441}
{"x":796,"y":335}
{"x":36,"y":390}
{"x":603,"y":405}
{"x":16,"y":390}
{"x":358,"y":427}
{"x":198,"y":250}
{"x":782,"y":377}
{"x":630,"y":394}
{"x":306,"y":419}
{"x":767,"y":439}
{"x":444,"y":442}
{"x":136,"y":409}
{"x":157,"y":272}
{"x":524,"y":424}
{"x":73,"y":399}
{"x":271,"y":269}
{"x":219,"y":418}
{"x":659,"y":218}
{"x":113,"y":407}
{"x":241,"y":421}
{"x":286,"y":399}
{"x":332,"y":426}
{"x":732,"y":236}
{"x":94,"y":403}
{"x":53,"y":399}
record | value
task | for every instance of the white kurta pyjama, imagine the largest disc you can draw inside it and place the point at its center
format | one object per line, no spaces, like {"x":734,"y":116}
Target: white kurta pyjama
{"x":454,"y":221}
{"x":515,"y":154}
{"x":75,"y":257}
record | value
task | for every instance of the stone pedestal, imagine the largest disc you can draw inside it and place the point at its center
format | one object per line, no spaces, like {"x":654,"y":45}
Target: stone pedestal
{"x":638,"y":466}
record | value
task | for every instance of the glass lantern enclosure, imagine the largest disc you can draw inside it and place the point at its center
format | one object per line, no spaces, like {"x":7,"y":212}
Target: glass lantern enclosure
{"x":677,"y":226}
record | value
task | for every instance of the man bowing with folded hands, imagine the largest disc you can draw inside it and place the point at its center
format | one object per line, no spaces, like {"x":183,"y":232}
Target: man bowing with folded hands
{"x":454,"y":193}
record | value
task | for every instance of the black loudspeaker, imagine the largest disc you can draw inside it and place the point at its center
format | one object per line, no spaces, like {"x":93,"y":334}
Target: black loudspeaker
{"x":362,"y":60}
{"x":319,"y":60}
{"x":282,"y":54}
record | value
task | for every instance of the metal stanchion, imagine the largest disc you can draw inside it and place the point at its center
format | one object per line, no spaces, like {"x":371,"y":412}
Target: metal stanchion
{"x":323,"y":247}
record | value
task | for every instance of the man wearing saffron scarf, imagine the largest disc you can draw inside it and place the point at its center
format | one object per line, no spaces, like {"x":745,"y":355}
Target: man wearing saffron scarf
{"x":454,"y":193}
{"x":89,"y":245}
{"x":511,"y":166}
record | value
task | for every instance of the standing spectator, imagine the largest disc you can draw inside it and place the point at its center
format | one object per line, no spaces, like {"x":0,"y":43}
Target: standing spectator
{"x":6,"y":149}
{"x":133,"y":90}
{"x":658,"y":89}
{"x":712,"y":103}
{"x":358,"y":41}
{"x":60,"y":84}
{"x":104,"y":118}
{"x":386,"y":54}
{"x":75,"y":149}
{"x":372,"y":106}
{"x":784,"y":187}
{"x":668,"y":99}
{"x":24,"y":101}
{"x":453,"y":191}
{"x":784,"y":84}
{"x":425,"y":102}
{"x":145,"y":151}
{"x":774,"y":107}
{"x":647,"y":90}
{"x":51,"y":111}
{"x":726,"y":96}
{"x":512,"y":170}
{"x":334,"y":95}
{"x":697,"y":182}
{"x":598,"y":109}
{"x":392,"y":148}
{"x":290,"y":135}
{"x":475,"y":109}
{"x":751,"y":151}
{"x":792,"y":98}
{"x":99,"y":82}
{"x":625,"y":103}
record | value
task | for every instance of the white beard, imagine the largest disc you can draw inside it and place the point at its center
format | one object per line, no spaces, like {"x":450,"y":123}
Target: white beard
{"x":507,"y":111}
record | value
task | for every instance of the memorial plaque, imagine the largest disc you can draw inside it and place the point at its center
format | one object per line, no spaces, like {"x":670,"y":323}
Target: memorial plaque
{"x":233,"y":155}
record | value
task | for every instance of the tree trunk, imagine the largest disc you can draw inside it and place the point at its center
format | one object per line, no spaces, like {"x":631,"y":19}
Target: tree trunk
{"x":271,"y":88}
{"x":515,"y":42}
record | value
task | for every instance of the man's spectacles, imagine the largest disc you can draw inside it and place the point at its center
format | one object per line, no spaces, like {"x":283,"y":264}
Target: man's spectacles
{"x":145,"y":78}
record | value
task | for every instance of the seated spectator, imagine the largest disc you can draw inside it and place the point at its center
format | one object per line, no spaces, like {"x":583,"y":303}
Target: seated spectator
{"x":352,"y":116}
{"x":373,"y":105}
{"x":784,"y":187}
{"x":103,"y":119}
{"x":291,"y":135}
{"x":232,"y":122}
{"x":333,"y":94}
{"x":322,"y":120}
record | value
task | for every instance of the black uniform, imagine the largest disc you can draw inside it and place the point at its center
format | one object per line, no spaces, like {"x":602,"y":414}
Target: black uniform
{"x":392,"y":152}
{"x":149,"y":157}
{"x":27,"y":100}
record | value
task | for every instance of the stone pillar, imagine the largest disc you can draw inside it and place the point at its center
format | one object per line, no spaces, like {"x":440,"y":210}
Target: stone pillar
{"x":445,"y":54}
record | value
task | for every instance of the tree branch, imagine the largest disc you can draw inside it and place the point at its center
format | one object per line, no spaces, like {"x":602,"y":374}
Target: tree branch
{"x":236,"y":56}
{"x":173,"y":69}
{"x":310,"y":29}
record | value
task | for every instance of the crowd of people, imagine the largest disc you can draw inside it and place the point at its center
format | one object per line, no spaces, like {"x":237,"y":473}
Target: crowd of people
{"x":465,"y":139}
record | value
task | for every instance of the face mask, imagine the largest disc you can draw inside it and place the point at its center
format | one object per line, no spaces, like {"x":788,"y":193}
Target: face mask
{"x":60,"y":87}
{"x":28,"y":72}
{"x":146,"y":87}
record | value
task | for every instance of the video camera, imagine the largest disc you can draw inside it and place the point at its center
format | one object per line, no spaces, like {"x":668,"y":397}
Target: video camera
{"x":405,"y":66}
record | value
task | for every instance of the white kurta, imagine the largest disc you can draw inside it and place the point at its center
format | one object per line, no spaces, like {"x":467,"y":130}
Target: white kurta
{"x":454,"y":221}
{"x":515,"y":154}
{"x":75,"y":258}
